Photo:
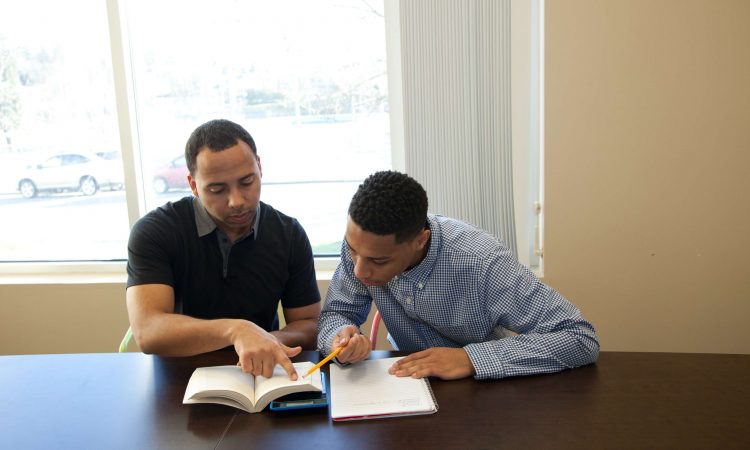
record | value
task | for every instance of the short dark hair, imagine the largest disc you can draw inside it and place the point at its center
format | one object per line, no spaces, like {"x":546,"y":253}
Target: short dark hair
{"x":390,"y":202}
{"x":217,"y":135}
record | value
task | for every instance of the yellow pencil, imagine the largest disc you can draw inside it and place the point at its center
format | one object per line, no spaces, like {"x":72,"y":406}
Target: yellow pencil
{"x":325,"y":360}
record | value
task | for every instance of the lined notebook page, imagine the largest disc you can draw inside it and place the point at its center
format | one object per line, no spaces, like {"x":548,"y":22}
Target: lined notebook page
{"x":365,"y":390}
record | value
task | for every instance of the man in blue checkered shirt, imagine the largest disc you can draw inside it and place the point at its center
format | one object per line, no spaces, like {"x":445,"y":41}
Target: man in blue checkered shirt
{"x":449,"y":292}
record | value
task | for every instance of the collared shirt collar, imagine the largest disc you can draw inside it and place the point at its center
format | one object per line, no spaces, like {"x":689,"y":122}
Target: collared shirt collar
{"x":421,"y":272}
{"x":205,"y":224}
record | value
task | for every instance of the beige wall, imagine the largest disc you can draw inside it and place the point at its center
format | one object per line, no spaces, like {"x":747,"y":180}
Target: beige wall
{"x":648,"y":169}
{"x":646,"y":186}
{"x":61,"y":318}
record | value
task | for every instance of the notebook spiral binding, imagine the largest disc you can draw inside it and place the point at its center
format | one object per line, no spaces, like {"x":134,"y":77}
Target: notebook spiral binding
{"x":432,"y":394}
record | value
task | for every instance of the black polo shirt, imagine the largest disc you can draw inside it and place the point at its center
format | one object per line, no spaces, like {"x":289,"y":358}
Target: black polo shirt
{"x":274,"y":263}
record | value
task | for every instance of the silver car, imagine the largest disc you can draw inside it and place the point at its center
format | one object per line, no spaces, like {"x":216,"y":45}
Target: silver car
{"x":84,"y":172}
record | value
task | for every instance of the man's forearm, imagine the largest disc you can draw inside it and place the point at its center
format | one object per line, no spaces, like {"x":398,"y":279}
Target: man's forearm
{"x":179,"y":335}
{"x":300,"y":332}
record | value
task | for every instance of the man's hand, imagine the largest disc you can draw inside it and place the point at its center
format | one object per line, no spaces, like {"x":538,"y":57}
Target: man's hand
{"x":357,"y":345}
{"x":260,"y":351}
{"x":441,"y":362}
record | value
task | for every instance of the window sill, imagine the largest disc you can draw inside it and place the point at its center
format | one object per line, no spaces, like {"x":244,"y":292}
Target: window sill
{"x":99,"y":272}
{"x":113,"y":272}
{"x":63,"y":273}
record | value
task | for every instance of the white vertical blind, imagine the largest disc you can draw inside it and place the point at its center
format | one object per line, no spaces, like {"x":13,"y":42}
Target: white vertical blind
{"x":455,"y":57}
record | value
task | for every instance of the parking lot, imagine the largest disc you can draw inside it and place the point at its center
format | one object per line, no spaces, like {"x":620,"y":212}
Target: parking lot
{"x":55,"y":226}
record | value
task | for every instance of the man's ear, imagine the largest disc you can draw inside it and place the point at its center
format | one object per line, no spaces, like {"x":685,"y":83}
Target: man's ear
{"x":193,"y":185}
{"x":423,"y":238}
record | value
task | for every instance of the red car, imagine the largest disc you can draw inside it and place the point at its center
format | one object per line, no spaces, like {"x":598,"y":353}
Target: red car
{"x":172,"y":176}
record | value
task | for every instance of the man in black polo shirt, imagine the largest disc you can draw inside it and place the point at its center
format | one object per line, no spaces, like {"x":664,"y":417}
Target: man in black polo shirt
{"x":209,"y":270}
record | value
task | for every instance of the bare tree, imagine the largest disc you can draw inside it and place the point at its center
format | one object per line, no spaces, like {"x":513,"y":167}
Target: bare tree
{"x":10,"y":99}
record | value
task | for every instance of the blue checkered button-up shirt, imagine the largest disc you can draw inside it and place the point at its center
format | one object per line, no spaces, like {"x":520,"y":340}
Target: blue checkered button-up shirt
{"x":468,"y":292}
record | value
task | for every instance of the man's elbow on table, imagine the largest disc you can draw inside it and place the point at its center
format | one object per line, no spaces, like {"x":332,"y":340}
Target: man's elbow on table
{"x":589,"y":349}
{"x":146,"y":342}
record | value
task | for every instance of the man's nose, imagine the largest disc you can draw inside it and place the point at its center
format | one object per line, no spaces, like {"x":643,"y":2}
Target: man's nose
{"x":235,"y":199}
{"x":361,"y":269}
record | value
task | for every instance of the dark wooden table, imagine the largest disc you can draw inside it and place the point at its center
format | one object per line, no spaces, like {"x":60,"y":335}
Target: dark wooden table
{"x":625,"y":400}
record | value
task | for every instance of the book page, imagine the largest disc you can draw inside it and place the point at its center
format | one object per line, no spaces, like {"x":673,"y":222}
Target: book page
{"x":267,"y":389}
{"x":366,"y":390}
{"x":225,"y":385}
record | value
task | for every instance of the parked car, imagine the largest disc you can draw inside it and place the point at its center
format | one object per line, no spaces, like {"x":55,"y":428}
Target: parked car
{"x":67,"y":172}
{"x":171,"y":176}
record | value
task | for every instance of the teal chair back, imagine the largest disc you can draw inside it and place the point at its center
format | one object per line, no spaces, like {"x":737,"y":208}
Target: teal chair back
{"x":126,"y":340}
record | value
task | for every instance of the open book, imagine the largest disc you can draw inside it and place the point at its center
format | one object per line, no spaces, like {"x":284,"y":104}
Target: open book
{"x":228,"y":385}
{"x":365,"y":390}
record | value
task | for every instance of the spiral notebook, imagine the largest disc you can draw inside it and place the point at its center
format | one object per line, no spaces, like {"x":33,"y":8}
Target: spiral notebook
{"x":365,"y":390}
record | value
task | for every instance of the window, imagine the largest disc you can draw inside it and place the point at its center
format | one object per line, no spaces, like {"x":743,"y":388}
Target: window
{"x":59,"y":199}
{"x":306,"y":79}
